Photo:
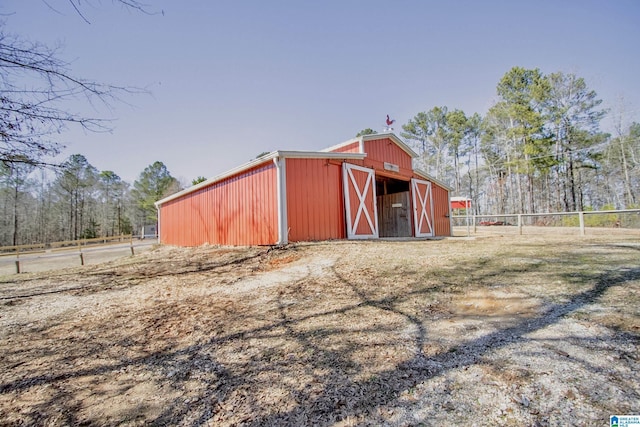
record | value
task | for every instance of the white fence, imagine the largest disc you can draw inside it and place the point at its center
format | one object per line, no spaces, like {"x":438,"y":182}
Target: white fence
{"x":583,"y":222}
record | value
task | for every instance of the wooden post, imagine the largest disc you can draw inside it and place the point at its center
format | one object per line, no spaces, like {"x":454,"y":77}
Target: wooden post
{"x":17,"y":259}
{"x":131,"y":243}
{"x":466,"y":211}
{"x":520,"y":224}
{"x":81,"y":258}
{"x":581,"y":217}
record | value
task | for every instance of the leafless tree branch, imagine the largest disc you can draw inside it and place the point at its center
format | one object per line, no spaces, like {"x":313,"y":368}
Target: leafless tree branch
{"x":35,"y":84}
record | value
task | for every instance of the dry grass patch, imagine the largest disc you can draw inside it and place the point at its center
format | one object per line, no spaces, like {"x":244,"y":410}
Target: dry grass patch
{"x":492,"y":331}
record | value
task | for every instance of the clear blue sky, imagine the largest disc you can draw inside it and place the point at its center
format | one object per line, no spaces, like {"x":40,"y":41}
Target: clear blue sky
{"x":231,"y":79}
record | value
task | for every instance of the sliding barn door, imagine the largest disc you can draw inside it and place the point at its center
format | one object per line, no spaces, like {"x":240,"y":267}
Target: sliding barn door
{"x":360,"y":201}
{"x":422,"y":208}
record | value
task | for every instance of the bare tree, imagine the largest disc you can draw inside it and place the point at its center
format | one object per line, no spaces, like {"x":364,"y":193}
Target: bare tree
{"x":76,"y":182}
{"x":15,"y":180}
{"x":36,"y":85}
{"x":129,"y":4}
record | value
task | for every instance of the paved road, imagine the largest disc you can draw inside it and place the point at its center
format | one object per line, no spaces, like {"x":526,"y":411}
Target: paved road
{"x":63,"y":258}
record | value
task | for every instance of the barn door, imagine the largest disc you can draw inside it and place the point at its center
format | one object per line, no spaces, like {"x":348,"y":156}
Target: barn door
{"x":360,"y":201}
{"x":422,"y":207}
{"x":394,"y":215}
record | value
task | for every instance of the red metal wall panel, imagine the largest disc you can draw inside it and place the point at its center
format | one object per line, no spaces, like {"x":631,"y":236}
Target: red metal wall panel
{"x":240,"y":210}
{"x":349,"y":148}
{"x":442,"y":225}
{"x":315,"y":206}
{"x":384,"y":150}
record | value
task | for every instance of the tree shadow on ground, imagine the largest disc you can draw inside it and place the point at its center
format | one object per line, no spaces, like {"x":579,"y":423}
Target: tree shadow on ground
{"x":388,"y":385}
{"x":198,"y":386}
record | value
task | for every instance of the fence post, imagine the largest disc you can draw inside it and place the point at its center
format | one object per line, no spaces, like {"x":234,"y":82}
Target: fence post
{"x":17,"y":266}
{"x":131,"y":242}
{"x":520,"y":224}
{"x":581,"y":218}
{"x":475,"y":224}
{"x":468,"y":224}
{"x":81,"y":258}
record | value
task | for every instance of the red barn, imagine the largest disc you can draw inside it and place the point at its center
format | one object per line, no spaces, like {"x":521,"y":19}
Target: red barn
{"x":361,"y":189}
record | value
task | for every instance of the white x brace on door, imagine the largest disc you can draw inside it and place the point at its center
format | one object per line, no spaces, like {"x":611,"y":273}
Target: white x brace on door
{"x":360,"y":201}
{"x":422,"y":207}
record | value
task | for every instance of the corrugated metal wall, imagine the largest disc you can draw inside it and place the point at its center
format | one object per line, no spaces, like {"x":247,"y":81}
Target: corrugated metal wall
{"x":315,"y":203}
{"x":240,"y":210}
{"x":349,"y":148}
{"x":441,"y":223}
{"x":384,"y":150}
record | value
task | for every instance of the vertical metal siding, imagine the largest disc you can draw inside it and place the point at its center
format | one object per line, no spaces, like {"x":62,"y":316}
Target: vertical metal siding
{"x":349,"y":148}
{"x":442,"y":225}
{"x":240,"y":210}
{"x":315,"y":208}
{"x":384,"y":150}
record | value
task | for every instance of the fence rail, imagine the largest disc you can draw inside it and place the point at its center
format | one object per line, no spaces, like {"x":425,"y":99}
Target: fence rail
{"x":624,"y":219}
{"x":42,"y":257}
{"x":66,"y":244}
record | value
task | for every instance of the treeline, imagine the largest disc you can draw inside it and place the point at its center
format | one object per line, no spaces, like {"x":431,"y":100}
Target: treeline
{"x":76,"y":201}
{"x":538,"y":149}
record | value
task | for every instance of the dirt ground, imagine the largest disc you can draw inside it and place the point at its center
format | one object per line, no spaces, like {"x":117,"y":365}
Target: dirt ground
{"x":495,"y":330}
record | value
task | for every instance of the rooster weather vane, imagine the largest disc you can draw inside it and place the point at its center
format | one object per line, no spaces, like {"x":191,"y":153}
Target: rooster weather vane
{"x":389,"y":123}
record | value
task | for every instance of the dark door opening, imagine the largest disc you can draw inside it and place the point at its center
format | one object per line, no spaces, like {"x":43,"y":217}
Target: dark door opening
{"x":394,"y":213}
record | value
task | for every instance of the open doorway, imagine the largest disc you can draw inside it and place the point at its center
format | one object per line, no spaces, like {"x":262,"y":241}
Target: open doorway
{"x":394,"y":208}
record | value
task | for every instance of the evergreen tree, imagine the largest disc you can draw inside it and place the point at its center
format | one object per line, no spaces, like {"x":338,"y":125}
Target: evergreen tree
{"x":155,"y":182}
{"x":574,"y":116}
{"x":427,"y":133}
{"x":367,"y":131}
